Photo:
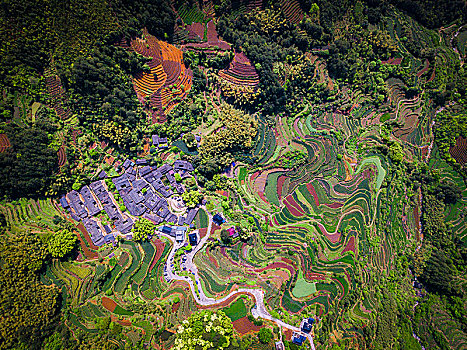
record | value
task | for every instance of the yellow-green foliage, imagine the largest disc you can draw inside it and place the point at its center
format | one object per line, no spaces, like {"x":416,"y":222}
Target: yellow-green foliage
{"x":241,"y":94}
{"x":115,"y":133}
{"x":237,"y":133}
{"x":269,"y":21}
{"x":191,"y":198}
{"x":61,"y":243}
{"x":204,"y":330}
{"x":142,"y":228}
{"x":26,"y":304}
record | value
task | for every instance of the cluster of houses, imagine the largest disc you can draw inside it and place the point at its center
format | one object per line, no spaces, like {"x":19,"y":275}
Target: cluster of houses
{"x":305,"y":327}
{"x":144,"y":191}
{"x":178,"y":232}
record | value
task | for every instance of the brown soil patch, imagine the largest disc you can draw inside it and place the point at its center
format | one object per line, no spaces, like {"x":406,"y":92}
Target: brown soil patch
{"x":123,"y":259}
{"x":84,"y":245}
{"x":244,"y":326}
{"x":175,"y":307}
{"x":459,"y":151}
{"x":202,"y":232}
{"x":109,"y":304}
{"x":159,"y":250}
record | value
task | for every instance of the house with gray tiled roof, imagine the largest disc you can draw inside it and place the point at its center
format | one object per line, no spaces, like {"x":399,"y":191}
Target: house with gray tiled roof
{"x":89,"y":201}
{"x":77,"y":205}
{"x":112,"y":212}
{"x":122,"y":183}
{"x":191,"y":216}
{"x":155,"y":140}
{"x":182,"y":165}
{"x":164,"y":169}
{"x":127,"y":163}
{"x":124,"y":225}
{"x":151,"y":200}
{"x":145,"y":170}
{"x":64,"y":203}
{"x":94,"y":231}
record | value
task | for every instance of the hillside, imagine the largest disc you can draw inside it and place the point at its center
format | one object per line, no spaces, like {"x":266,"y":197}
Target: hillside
{"x":235,"y":174}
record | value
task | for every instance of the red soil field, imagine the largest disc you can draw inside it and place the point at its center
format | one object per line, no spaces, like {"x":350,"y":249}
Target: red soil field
{"x":277,"y":264}
{"x":244,"y":325}
{"x":427,"y":66}
{"x":109,"y":304}
{"x":86,"y":236}
{"x":432,"y":76}
{"x":196,"y":29}
{"x":293,"y":206}
{"x":61,"y":156}
{"x":4,"y":143}
{"x":223,"y":193}
{"x":159,"y":250}
{"x":124,"y":323}
{"x":335,"y":205}
{"x":312,"y":191}
{"x":393,"y":61}
{"x":280,"y":183}
{"x":459,"y":151}
{"x":288,"y":261}
{"x":312,"y":276}
{"x":202,"y":232}
{"x":275,"y":221}
{"x":87,"y":252}
{"x":350,"y":245}
{"x":332,"y":238}
{"x":214,"y":228}
{"x":175,"y":307}
{"x":261,"y":195}
{"x":166,"y":68}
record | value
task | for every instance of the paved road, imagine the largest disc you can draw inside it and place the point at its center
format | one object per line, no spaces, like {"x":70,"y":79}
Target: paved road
{"x":197,"y":290}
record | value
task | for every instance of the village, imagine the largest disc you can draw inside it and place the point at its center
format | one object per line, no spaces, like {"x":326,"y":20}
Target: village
{"x":139,"y":190}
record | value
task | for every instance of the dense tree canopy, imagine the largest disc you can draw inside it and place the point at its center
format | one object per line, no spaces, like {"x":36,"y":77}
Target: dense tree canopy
{"x":192,"y":198}
{"x":205,"y":330}
{"x":142,"y":229}
{"x":61,"y":243}
{"x":27,"y":167}
{"x":27,"y":306}
{"x":236,"y":136}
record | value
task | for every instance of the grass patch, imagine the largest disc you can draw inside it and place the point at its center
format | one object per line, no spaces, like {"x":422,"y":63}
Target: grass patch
{"x":303,"y":288}
{"x":236,"y":310}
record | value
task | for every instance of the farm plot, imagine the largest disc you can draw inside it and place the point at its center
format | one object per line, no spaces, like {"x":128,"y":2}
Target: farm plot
{"x":167,"y":82}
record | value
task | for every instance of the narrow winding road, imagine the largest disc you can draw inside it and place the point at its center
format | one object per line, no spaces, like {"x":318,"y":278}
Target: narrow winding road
{"x":198,"y":293}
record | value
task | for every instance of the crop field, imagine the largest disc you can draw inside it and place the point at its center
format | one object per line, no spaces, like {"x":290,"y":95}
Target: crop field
{"x":168,"y":80}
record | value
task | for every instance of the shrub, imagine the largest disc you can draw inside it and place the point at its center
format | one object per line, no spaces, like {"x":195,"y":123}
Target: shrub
{"x":142,"y":228}
{"x":265,"y":335}
{"x":61,"y":243}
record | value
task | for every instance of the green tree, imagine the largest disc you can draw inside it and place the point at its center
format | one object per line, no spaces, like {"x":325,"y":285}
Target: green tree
{"x":204,"y":330}
{"x":142,"y":228}
{"x":27,"y":306}
{"x":192,"y":198}
{"x":61,"y":243}
{"x":225,"y":237}
{"x":265,"y":335}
